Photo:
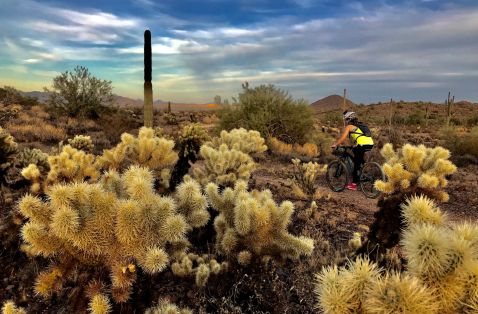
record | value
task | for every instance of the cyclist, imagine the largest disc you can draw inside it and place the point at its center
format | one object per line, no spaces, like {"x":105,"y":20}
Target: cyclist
{"x":362,"y":140}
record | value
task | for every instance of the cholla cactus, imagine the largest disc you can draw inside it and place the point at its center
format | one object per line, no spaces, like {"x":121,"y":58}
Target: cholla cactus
{"x":240,"y":139}
{"x":82,"y":142}
{"x":146,"y":150}
{"x":306,"y":174}
{"x":71,"y":165}
{"x":441,"y":275}
{"x":117,"y":223}
{"x":8,"y":149}
{"x":416,"y":167}
{"x":100,"y":304}
{"x":223,"y":166}
{"x":410,"y":170}
{"x":9,"y":307}
{"x":165,"y":307}
{"x":192,"y":137}
{"x":33,"y":156}
{"x":201,"y":267}
{"x":251,"y":223}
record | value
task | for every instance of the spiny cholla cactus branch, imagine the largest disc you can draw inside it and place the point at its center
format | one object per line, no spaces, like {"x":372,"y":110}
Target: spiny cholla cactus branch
{"x":9,"y":307}
{"x":241,"y":139}
{"x":146,"y":150}
{"x":82,"y":142}
{"x":441,"y":275}
{"x":166,"y":307}
{"x":117,"y":223}
{"x":306,"y":174}
{"x":416,"y":168}
{"x":410,"y":170}
{"x":201,"y":267}
{"x":251,"y":224}
{"x":223,"y":166}
{"x":8,"y":148}
{"x":71,"y":165}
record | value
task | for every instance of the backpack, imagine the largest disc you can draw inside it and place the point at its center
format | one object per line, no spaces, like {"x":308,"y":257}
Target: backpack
{"x":364,"y":128}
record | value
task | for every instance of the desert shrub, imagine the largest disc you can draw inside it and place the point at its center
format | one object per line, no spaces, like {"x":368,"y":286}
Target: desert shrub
{"x":82,"y":142}
{"x":460,"y":144}
{"x":279,"y":147}
{"x":166,"y":307}
{"x":472,"y":121}
{"x":322,"y":140}
{"x":38,"y":131}
{"x":416,"y":117}
{"x":116,"y":224}
{"x":246,"y":141}
{"x":10,"y":95}
{"x":333,"y":118}
{"x":308,"y":149}
{"x":271,"y":111}
{"x":78,"y":93}
{"x":251,"y":225}
{"x":441,"y":275}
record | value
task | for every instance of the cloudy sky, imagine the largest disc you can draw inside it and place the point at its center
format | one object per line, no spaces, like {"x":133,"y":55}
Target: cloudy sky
{"x":377,"y":49}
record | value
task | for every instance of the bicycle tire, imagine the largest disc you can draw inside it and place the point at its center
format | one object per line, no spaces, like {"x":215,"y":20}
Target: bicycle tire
{"x":337,"y":170}
{"x":371,"y":172}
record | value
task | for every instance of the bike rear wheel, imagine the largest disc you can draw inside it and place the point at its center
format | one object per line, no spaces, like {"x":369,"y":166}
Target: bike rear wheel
{"x":371,"y":172}
{"x":337,"y":175}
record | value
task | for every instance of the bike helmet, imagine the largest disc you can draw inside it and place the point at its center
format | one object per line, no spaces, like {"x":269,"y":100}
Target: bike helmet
{"x":349,"y":115}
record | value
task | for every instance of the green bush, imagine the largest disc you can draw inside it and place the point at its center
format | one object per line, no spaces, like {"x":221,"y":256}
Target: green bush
{"x":10,"y":95}
{"x":460,"y":144}
{"x":417,"y":117}
{"x":271,"y":111}
{"x":80,"y":94}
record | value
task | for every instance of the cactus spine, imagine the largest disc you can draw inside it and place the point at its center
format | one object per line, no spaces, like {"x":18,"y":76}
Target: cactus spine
{"x":148,"y":86}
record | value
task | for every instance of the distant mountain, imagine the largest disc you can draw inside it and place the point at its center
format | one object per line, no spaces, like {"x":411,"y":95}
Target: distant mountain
{"x":331,"y":103}
{"x":118,"y":100}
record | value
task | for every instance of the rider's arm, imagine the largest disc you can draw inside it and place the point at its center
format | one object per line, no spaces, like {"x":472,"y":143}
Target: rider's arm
{"x":344,"y":135}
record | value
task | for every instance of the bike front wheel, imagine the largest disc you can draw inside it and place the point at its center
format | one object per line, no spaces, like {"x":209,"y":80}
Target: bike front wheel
{"x":371,"y":172}
{"x":337,"y":175}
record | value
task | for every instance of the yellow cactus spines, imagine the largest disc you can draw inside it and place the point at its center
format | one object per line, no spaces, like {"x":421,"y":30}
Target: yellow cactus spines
{"x":165,"y":307}
{"x":8,"y":148}
{"x":192,"y":203}
{"x":252,"y":221}
{"x":421,"y":209}
{"x":400,"y":294}
{"x":100,"y":304}
{"x":332,"y":292}
{"x":248,"y":142}
{"x":199,"y":267}
{"x":119,"y":223}
{"x":306,"y":174}
{"x":244,"y":257}
{"x":469,"y":232}
{"x":9,"y":307}
{"x":48,"y":282}
{"x":192,"y":137}
{"x":146,"y":150}
{"x":223,"y":166}
{"x":416,"y":167}
{"x":82,"y":142}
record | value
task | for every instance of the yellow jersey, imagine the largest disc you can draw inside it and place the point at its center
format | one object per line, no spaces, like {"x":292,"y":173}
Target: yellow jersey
{"x":359,"y":137}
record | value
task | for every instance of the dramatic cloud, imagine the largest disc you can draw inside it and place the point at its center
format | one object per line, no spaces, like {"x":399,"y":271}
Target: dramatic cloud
{"x":377,"y":49}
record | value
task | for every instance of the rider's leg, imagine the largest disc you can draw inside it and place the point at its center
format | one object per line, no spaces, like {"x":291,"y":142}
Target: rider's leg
{"x":359,"y":160}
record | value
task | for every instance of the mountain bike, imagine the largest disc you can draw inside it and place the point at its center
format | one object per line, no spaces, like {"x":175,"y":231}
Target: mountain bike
{"x":340,"y":171}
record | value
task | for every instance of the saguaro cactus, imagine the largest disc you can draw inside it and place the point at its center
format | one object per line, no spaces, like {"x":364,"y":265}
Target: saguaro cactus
{"x":449,"y":105}
{"x":148,"y":86}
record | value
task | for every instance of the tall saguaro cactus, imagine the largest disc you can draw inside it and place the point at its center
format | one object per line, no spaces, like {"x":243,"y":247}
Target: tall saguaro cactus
{"x":449,"y":108}
{"x":148,"y":86}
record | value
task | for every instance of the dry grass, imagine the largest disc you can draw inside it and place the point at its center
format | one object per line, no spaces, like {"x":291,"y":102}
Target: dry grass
{"x":37,"y":132}
{"x":308,"y":149}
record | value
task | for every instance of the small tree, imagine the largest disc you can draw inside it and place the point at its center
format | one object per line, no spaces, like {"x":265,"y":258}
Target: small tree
{"x":271,"y":111}
{"x":79,"y":94}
